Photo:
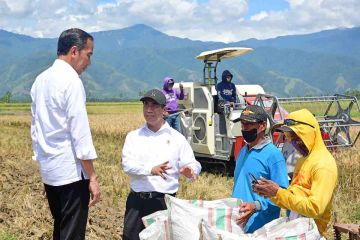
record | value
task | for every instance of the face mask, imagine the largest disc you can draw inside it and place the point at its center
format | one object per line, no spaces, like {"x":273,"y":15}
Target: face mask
{"x":250,"y":135}
{"x":299,"y":146}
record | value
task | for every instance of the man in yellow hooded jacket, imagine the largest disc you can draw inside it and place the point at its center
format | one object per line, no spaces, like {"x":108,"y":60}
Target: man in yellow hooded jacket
{"x":315,"y":176}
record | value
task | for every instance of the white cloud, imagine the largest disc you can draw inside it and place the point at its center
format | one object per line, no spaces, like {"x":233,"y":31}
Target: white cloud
{"x":260,"y":16}
{"x":303,"y":16}
{"x":213,"y":20}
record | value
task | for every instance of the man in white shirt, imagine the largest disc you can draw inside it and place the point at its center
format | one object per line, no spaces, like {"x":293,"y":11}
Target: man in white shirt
{"x":61,"y":136}
{"x":154,"y":156}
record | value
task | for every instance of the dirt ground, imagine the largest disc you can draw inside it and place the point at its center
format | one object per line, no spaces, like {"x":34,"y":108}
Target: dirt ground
{"x":24,"y":211}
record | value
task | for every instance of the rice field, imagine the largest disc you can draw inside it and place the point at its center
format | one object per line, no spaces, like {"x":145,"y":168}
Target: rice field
{"x":24,"y":212}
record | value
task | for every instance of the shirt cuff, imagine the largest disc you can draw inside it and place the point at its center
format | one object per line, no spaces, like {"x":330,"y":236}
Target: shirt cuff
{"x":148,"y":169}
{"x":195,"y":168}
{"x":257,"y":206}
{"x":86,"y":153}
{"x":276,"y":198}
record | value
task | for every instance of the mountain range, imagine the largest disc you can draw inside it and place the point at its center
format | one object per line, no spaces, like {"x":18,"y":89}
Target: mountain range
{"x":131,"y":60}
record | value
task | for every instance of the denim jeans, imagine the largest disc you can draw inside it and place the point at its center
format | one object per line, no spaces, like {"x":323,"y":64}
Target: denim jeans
{"x":174,"y":121}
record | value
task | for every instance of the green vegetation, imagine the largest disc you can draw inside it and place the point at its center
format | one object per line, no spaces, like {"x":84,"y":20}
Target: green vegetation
{"x":7,"y":236}
{"x":319,"y":108}
{"x":120,"y":107}
{"x":287,"y":66}
{"x":113,"y":107}
{"x":13,"y":108}
{"x":356,"y":215}
{"x":92,"y":107}
{"x":355,"y":92}
{"x":6,"y":98}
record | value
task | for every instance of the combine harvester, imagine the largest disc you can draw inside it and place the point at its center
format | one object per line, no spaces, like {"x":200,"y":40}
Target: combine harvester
{"x":213,"y":129}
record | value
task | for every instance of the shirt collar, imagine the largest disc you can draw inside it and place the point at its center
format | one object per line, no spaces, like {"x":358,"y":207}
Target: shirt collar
{"x":164,"y":127}
{"x":60,"y":62}
{"x":262,"y":143}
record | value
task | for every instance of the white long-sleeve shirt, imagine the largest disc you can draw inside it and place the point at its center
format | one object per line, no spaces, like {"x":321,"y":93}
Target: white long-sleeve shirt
{"x":144,"y":149}
{"x":60,"y":129}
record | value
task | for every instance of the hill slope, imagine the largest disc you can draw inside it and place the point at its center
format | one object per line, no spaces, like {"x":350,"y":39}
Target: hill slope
{"x":134,"y":59}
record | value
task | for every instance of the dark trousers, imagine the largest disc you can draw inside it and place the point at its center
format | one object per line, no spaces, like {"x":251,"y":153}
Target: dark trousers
{"x":136,"y":208}
{"x":69,"y":208}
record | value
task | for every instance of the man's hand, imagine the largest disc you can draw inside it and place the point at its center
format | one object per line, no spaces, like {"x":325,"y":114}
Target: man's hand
{"x":232,"y":104}
{"x":188,"y":172}
{"x":160,"y":170}
{"x":246,"y":209}
{"x":93,"y":184}
{"x":265,"y":188}
{"x":181,"y":87}
{"x":94,"y":192}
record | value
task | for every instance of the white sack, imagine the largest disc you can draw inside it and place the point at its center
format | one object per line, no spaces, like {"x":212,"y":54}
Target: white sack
{"x":185,"y":218}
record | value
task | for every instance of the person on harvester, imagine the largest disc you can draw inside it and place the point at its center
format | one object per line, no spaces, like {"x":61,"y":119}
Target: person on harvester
{"x":226,"y":89}
{"x":172,"y":96}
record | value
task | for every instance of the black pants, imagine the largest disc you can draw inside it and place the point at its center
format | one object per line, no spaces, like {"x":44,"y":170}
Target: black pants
{"x":136,"y":208}
{"x":69,"y":208}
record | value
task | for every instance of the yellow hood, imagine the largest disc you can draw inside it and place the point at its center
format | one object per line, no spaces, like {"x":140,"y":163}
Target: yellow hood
{"x":315,"y":175}
{"x":310,"y":136}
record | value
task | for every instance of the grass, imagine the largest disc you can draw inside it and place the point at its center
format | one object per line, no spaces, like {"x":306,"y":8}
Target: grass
{"x":24,"y":212}
{"x":7,"y":236}
{"x":113,"y":107}
{"x":92,"y":107}
{"x":101,"y":108}
{"x":318,"y":108}
{"x":13,"y":108}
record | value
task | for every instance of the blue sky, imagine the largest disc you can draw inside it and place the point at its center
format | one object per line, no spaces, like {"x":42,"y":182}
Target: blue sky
{"x":206,"y":20}
{"x":256,"y":6}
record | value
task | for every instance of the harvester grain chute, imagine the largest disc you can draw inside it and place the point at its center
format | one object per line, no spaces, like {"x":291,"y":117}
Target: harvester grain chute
{"x":212,"y":128}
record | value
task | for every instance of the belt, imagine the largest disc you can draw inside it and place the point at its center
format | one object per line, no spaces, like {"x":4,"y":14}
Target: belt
{"x":149,"y":195}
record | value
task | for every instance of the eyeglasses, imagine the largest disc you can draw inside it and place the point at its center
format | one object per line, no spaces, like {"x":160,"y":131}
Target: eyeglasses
{"x":292,"y":122}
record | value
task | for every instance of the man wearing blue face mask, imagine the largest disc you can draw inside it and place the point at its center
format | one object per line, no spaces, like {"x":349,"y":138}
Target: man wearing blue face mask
{"x":262,"y":159}
{"x":311,"y":190}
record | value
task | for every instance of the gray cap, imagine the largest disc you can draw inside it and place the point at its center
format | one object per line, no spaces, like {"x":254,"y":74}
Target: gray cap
{"x":156,"y":95}
{"x":254,"y":113}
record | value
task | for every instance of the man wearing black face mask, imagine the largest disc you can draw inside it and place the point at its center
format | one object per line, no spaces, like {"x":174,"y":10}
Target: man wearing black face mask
{"x":262,"y":159}
{"x":311,"y":190}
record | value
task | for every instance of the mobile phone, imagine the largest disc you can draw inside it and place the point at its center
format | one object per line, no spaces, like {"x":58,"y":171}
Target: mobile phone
{"x":253,"y":179}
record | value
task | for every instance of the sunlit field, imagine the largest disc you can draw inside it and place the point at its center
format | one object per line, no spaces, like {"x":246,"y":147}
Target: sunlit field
{"x":319,"y":108}
{"x":24,"y":212}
